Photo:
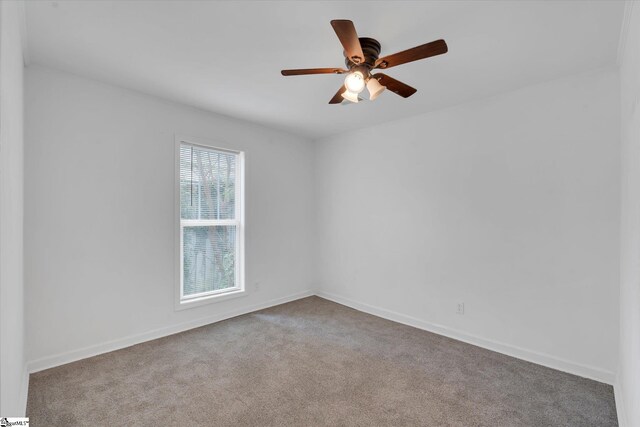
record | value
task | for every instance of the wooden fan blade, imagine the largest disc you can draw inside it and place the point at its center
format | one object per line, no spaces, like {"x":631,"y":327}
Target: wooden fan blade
{"x":305,"y":71}
{"x":346,"y":32}
{"x":337,"y":98}
{"x":395,"y":86}
{"x":437,"y":47}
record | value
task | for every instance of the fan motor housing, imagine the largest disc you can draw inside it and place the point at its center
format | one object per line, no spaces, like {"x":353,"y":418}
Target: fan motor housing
{"x":371,"y":50}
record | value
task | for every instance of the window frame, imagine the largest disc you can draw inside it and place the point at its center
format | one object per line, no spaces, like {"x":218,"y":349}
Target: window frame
{"x":180,"y":302}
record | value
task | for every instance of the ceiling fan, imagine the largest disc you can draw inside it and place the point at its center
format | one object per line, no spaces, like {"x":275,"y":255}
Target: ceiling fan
{"x":361,"y":58}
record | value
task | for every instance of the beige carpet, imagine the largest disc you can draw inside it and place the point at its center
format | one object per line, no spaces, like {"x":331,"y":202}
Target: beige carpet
{"x":312,"y":362}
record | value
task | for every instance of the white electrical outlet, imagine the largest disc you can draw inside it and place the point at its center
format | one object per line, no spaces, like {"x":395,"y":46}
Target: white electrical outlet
{"x":460,"y":308}
{"x":256,"y":286}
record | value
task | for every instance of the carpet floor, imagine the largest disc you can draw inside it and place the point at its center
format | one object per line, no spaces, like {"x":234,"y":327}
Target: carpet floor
{"x":312,"y":362}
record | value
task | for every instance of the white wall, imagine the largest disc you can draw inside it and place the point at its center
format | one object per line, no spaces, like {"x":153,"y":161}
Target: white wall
{"x":628,"y":386}
{"x":510,"y":205}
{"x":13,"y":377}
{"x":99,"y":218}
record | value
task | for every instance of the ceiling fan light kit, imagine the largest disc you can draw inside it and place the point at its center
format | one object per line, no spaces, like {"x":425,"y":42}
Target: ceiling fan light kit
{"x":361,"y":57}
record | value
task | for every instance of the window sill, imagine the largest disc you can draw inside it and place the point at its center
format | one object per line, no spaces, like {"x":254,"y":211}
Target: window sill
{"x":209,"y":299}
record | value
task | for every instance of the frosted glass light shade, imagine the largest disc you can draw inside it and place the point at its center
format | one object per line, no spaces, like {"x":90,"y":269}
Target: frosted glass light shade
{"x":354,"y":82}
{"x":375,"y":88}
{"x":350,"y":96}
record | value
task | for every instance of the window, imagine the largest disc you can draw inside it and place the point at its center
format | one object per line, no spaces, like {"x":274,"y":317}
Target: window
{"x":211,"y":223}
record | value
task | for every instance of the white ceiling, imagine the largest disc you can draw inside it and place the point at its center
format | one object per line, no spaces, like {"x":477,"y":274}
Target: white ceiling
{"x":226,"y":57}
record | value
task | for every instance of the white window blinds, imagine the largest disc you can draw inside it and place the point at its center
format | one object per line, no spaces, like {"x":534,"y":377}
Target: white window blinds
{"x":209,"y":221}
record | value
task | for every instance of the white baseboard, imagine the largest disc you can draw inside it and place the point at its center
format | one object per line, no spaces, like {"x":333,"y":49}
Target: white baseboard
{"x":94,"y":350}
{"x":620,"y":406}
{"x":24,"y":391}
{"x":510,"y":350}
